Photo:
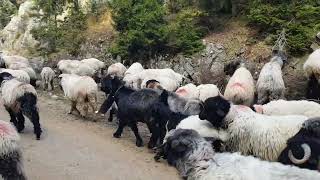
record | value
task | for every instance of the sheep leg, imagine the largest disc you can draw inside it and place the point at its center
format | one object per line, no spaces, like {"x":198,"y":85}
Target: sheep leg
{"x":122,"y":124}
{"x":73,"y":107}
{"x":154,"y":135}
{"x":20,"y":122}
{"x":135,"y":130}
{"x":112,"y":112}
{"x":36,"y":125}
{"x":43,"y":84}
{"x":50,"y":85}
{"x":13,"y":118}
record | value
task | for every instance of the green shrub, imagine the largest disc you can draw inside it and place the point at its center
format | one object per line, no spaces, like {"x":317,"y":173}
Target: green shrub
{"x":303,"y":15}
{"x":141,"y":26}
{"x":6,"y":10}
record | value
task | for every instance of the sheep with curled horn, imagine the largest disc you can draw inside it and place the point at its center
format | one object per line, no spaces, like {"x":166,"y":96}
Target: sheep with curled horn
{"x":263,"y":136}
{"x":20,"y":99}
{"x":195,"y":159}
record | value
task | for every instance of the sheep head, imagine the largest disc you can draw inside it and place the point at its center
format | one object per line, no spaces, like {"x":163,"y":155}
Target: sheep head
{"x":215,"y":110}
{"x":111,"y":84}
{"x":5,"y":76}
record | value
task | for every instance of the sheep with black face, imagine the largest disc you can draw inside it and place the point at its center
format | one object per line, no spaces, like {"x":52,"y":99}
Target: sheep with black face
{"x":195,"y":159}
{"x":256,"y":134}
{"x":20,"y":99}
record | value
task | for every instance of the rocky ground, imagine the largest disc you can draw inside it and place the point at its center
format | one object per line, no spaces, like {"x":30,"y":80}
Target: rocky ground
{"x":84,"y":149}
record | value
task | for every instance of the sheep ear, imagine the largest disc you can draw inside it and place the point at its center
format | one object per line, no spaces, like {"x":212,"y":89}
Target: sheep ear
{"x":178,"y":146}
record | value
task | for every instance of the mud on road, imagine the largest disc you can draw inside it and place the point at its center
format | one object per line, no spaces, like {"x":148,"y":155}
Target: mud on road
{"x":73,"y":148}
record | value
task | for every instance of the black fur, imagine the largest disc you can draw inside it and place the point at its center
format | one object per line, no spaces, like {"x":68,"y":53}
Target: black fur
{"x":5,"y":76}
{"x":133,"y":106}
{"x":214,"y":110}
{"x":28,"y":107}
{"x":313,"y":89}
{"x":309,"y":134}
{"x":9,"y":167}
{"x":230,"y":68}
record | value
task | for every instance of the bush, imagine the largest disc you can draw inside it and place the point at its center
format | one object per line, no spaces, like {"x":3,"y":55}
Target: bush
{"x":184,"y":32}
{"x":141,"y":26}
{"x":6,"y":10}
{"x":272,"y":16}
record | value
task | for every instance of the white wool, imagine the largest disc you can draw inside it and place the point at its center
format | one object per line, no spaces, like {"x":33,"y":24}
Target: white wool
{"x":312,"y":64}
{"x":75,"y":67}
{"x":18,"y":65}
{"x":47,"y":75}
{"x":270,"y":81}
{"x":14,"y":59}
{"x":32,"y":74}
{"x":13,"y":89}
{"x":203,"y":127}
{"x":207,"y":90}
{"x":189,"y":91}
{"x":135,"y":80}
{"x":165,"y":82}
{"x":9,"y":138}
{"x":74,"y":86}
{"x":260,"y":135}
{"x":94,"y":63}
{"x":236,"y":167}
{"x":240,"y":88}
{"x":18,"y":74}
{"x":283,"y":107}
{"x":134,"y":69}
{"x":117,"y":69}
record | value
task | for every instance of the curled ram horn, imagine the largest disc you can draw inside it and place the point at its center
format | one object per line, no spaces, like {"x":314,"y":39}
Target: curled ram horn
{"x":307,"y":153}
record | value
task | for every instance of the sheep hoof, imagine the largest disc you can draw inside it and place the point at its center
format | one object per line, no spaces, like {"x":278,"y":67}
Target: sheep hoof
{"x":116,"y":135}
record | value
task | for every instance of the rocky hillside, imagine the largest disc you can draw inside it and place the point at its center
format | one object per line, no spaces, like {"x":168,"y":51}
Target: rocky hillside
{"x":236,"y":38}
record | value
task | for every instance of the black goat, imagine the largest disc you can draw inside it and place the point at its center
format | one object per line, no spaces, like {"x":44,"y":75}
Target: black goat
{"x":133,"y":106}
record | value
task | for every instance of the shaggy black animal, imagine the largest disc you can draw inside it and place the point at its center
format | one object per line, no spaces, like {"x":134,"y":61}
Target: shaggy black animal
{"x":230,"y":68}
{"x":313,"y":89}
{"x":309,"y":135}
{"x":133,"y":107}
{"x":10,"y":167}
{"x":214,"y":110}
{"x":25,"y":105}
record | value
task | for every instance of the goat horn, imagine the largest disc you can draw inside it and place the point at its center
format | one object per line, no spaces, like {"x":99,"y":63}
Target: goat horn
{"x":307,"y":153}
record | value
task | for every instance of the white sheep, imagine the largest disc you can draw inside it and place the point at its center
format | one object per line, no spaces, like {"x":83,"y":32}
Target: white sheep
{"x":76,"y":67}
{"x":94,"y":63}
{"x":203,"y":127}
{"x":8,"y":60}
{"x":270,"y":84}
{"x":240,"y":88}
{"x":134,"y":81}
{"x":18,"y":74}
{"x":135,"y":68}
{"x":283,"y":107}
{"x":11,"y":165}
{"x":20,"y":99}
{"x":189,"y":91}
{"x":116,"y":69}
{"x":165,"y":82}
{"x":81,"y":90}
{"x":207,"y":90}
{"x":195,"y":159}
{"x":47,"y":76}
{"x":312,"y":64}
{"x":252,"y":133}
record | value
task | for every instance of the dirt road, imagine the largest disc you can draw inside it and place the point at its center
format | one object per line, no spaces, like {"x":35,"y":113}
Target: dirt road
{"x":72,"y":148}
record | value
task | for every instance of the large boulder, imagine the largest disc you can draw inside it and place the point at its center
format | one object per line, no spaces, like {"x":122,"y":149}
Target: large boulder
{"x":16,"y":37}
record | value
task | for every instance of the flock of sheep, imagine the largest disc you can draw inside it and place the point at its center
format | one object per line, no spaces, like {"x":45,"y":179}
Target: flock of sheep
{"x":203,"y":133}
